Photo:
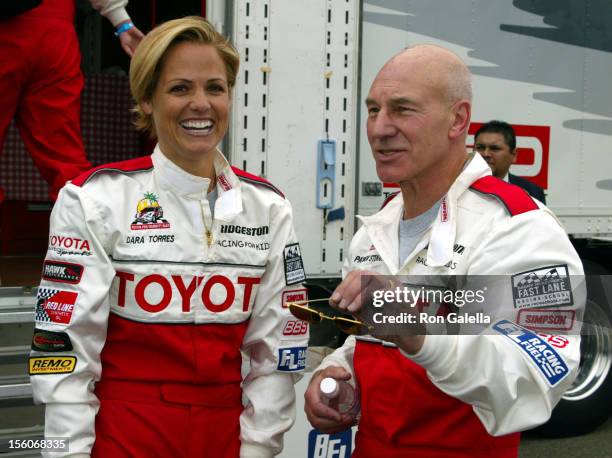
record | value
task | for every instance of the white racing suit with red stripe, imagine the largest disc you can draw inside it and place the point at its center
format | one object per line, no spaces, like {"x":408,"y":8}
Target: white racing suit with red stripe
{"x":468,"y":395}
{"x":133,"y":295}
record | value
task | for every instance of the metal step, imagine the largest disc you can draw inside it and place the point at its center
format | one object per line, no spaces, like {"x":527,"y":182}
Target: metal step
{"x":17,"y":304}
{"x":15,"y":387}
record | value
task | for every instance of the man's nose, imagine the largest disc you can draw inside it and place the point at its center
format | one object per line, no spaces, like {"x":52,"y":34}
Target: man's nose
{"x":381,"y":126}
{"x":484,"y":151}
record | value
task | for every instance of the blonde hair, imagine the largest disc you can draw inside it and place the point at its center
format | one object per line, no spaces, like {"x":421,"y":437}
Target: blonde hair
{"x":148,"y":59}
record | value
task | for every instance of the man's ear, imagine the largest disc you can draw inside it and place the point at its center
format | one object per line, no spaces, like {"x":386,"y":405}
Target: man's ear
{"x":513,"y":153}
{"x":147,"y":107}
{"x":460,"y":112}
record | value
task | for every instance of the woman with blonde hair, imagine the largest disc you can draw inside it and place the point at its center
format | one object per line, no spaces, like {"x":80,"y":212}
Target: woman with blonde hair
{"x":163,"y":272}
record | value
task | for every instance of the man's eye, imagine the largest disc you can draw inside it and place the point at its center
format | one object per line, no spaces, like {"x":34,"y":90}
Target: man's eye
{"x":373,"y":110}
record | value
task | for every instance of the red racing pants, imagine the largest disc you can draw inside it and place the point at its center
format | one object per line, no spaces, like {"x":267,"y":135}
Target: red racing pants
{"x":176,"y":420}
{"x":41,"y":83}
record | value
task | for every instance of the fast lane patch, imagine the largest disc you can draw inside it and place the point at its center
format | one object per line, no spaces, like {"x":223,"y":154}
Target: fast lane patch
{"x":55,"y":305}
{"x":544,"y":287}
{"x":43,"y":365}
{"x":540,"y":352}
{"x":294,"y":267}
{"x":62,"y":272}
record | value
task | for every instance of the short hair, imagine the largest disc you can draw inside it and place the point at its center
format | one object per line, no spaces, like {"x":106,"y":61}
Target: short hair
{"x":148,"y":59}
{"x":498,"y":127}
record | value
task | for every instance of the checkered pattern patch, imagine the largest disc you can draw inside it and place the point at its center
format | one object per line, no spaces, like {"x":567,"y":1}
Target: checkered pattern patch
{"x":107,"y":130}
{"x":543,"y":287}
{"x":532,"y":278}
{"x":55,"y":305}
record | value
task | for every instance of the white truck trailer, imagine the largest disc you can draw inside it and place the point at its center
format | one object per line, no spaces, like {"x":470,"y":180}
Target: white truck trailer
{"x":299,"y":120}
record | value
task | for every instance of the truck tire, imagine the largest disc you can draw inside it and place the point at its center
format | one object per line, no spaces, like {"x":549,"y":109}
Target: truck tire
{"x":588,"y":402}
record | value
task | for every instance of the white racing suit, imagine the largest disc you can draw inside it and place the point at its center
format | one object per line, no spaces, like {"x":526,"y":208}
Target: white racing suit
{"x":465,"y":395}
{"x":136,"y":306}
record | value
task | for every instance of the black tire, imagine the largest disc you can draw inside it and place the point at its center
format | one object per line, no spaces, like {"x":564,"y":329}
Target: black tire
{"x":588,"y":402}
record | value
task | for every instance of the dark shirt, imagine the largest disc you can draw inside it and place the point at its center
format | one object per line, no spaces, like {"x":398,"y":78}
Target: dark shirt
{"x":533,"y":189}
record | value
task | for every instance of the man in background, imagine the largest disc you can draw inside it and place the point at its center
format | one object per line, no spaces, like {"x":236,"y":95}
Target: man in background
{"x":496,"y":143}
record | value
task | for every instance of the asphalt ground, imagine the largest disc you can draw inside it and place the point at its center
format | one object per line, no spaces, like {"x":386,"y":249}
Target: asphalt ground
{"x":597,"y":444}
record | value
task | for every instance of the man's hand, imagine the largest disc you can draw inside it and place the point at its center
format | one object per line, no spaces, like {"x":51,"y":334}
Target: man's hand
{"x":355,"y":292}
{"x":130,"y":39}
{"x":319,"y":414}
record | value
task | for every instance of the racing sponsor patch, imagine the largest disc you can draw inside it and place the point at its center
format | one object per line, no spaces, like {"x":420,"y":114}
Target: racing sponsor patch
{"x":544,"y":287}
{"x":294,"y":295}
{"x":546,"y":320}
{"x":294,"y":267}
{"x":50,"y":341}
{"x":555,"y":340}
{"x":149,"y":214}
{"x":222,"y":180}
{"x":538,"y":350}
{"x":55,"y":305}
{"x":263,"y":246}
{"x":62,"y":272}
{"x":291,"y":359}
{"x":369,"y":258}
{"x":64,"y":245}
{"x":244,"y":230}
{"x":42,"y":365}
{"x":294,"y":329}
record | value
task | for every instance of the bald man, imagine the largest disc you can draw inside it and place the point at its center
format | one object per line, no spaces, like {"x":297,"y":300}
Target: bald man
{"x":429,"y":395}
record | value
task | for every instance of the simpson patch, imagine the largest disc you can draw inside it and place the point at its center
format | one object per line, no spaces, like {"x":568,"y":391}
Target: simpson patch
{"x":294,"y":267}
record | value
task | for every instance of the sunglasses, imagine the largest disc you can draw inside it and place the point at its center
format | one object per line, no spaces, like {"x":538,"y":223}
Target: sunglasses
{"x":346,"y":325}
